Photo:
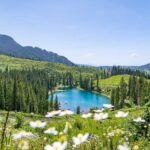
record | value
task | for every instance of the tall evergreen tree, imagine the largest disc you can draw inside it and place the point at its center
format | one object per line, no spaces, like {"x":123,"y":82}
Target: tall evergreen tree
{"x":123,"y":92}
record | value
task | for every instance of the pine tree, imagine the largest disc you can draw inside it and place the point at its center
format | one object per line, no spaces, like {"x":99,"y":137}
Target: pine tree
{"x":78,"y":110}
{"x":56,"y":104}
{"x":123,"y":92}
{"x":2,"y":99}
{"x":97,"y":83}
{"x":52,"y":102}
{"x":14,"y":98}
{"x":113,"y":97}
{"x":117,"y":97}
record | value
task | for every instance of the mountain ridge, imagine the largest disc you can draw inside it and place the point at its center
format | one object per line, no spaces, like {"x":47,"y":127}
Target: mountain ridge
{"x":142,"y":67}
{"x":145,"y":67}
{"x":8,"y":46}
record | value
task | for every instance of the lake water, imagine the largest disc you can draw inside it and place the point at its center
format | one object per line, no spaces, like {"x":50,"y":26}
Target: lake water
{"x":71,"y":98}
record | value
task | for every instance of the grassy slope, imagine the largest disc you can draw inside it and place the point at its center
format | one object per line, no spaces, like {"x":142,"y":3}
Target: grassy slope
{"x":114,"y":80}
{"x":20,"y":63}
{"x":107,"y":84}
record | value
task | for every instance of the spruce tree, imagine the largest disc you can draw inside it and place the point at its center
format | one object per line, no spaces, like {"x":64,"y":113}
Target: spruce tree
{"x":56,"y":104}
{"x":78,"y":110}
{"x":123,"y":92}
{"x":113,"y":97}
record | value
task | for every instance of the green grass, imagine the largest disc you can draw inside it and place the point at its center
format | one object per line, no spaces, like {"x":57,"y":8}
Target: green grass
{"x":107,"y":84}
{"x":20,"y":63}
{"x":114,"y":80}
{"x":79,"y":125}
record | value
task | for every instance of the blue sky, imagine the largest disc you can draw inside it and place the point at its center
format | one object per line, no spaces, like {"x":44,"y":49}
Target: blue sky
{"x":97,"y":32}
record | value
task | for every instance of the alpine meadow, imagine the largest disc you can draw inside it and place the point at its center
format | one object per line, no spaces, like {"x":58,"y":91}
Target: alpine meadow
{"x":87,"y":87}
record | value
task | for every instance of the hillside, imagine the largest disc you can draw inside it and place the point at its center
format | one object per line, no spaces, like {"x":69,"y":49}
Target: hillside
{"x":20,"y":63}
{"x":145,"y":67}
{"x":114,"y":80}
{"x":8,"y":46}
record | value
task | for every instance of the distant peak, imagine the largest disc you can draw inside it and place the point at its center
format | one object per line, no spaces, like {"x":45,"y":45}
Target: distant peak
{"x":8,"y":46}
{"x":5,"y":36}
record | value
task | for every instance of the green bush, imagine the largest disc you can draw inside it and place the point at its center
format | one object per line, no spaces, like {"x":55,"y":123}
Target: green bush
{"x":78,"y":124}
{"x":19,"y":120}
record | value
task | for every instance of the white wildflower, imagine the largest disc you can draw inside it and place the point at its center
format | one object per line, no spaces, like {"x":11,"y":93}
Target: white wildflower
{"x":109,"y":106}
{"x":111,"y":134}
{"x":23,"y":145}
{"x":101,"y":116}
{"x":66,"y":112}
{"x":121,"y":114}
{"x":51,"y":131}
{"x":80,"y":139}
{"x":67,"y":127}
{"x":37,"y":124}
{"x":136,"y":147}
{"x":123,"y":147}
{"x":86,"y":115}
{"x":139,"y":119}
{"x":22,"y":134}
{"x":52,"y":113}
{"x":56,"y":146}
{"x":98,"y":110}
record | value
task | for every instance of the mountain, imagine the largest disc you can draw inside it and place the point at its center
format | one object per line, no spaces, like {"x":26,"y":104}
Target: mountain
{"x":8,"y":46}
{"x":110,"y":67}
{"x":142,"y":68}
{"x":145,"y":67}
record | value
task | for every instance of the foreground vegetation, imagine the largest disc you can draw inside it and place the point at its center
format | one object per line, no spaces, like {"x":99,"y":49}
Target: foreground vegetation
{"x":110,"y":133}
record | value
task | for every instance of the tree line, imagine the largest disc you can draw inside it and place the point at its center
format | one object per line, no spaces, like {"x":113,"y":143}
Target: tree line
{"x":118,"y":70}
{"x":136,"y":92}
{"x":27,"y":90}
{"x":24,"y":91}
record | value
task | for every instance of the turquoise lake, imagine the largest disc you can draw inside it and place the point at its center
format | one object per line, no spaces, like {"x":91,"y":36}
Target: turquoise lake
{"x":71,"y":98}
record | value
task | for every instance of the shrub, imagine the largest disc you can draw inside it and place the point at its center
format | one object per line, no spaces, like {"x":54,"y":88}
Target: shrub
{"x":78,"y":124}
{"x":78,"y":110}
{"x":19,"y":120}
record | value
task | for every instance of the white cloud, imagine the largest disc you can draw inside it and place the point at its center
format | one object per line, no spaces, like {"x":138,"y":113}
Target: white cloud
{"x":134,"y":55}
{"x":88,"y":55}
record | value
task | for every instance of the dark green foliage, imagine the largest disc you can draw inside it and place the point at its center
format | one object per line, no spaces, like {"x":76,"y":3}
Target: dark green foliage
{"x":27,"y":90}
{"x":78,"y":124}
{"x":97,"y":83}
{"x":139,"y":129}
{"x":78,"y":110}
{"x":19,"y":120}
{"x":123,"y":92}
{"x":51,"y":103}
{"x":147,"y":115}
{"x":113,"y":97}
{"x":68,"y":79}
{"x":24,"y":91}
{"x":56,"y":104}
{"x":137,"y":92}
{"x":117,"y":97}
{"x":3,"y":135}
{"x":118,"y":70}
